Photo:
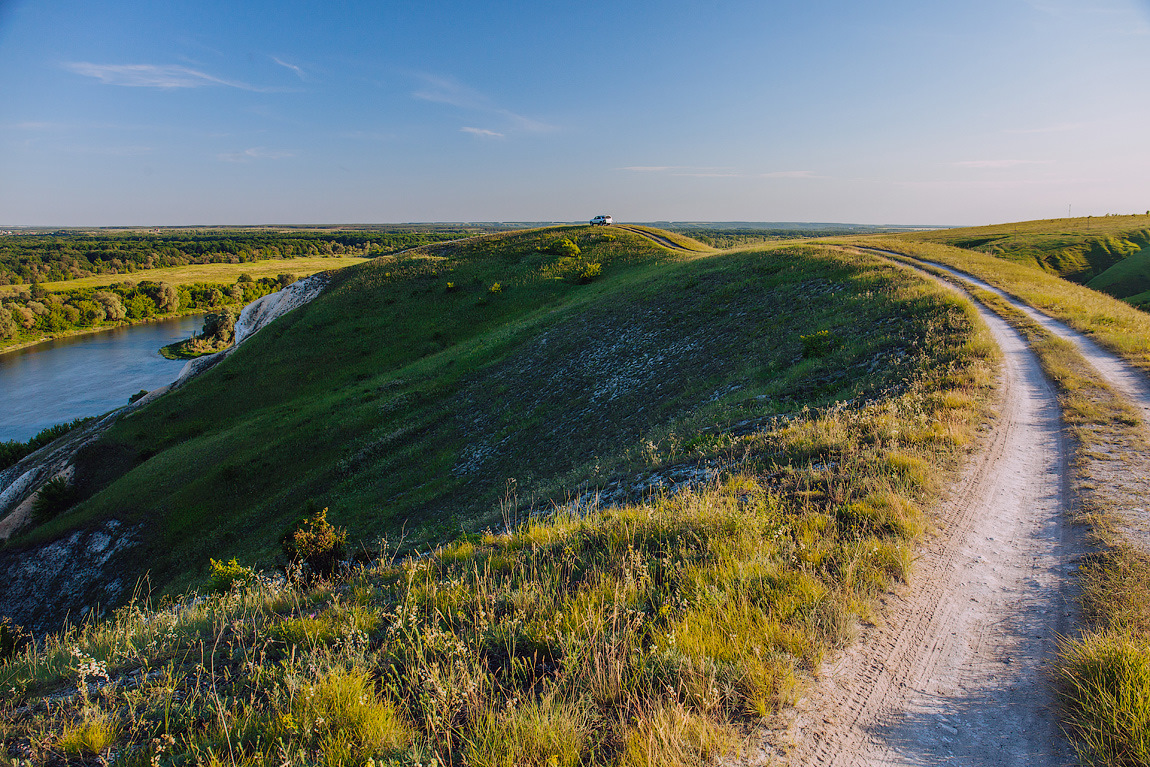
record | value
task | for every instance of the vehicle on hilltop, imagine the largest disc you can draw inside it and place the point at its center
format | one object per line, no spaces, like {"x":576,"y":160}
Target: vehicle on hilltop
{"x":602,"y":221}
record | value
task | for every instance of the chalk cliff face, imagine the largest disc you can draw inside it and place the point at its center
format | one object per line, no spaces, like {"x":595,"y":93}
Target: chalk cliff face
{"x":43,"y":585}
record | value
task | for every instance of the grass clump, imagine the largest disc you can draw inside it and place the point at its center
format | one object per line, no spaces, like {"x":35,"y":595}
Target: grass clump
{"x":89,"y":737}
{"x":225,"y":576}
{"x":54,"y":497}
{"x":1105,"y":681}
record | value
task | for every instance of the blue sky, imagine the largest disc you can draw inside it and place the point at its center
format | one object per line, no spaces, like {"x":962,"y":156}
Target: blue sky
{"x":891,"y":111}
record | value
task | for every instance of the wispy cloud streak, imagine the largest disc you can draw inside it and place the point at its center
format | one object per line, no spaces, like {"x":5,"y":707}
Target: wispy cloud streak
{"x":446,"y":90}
{"x":153,"y":76}
{"x":482,"y":132}
{"x":998,"y":163}
{"x":299,"y":72}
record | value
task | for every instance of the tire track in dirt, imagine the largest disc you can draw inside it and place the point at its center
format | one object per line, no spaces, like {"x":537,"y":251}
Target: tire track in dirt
{"x":666,"y":243}
{"x":1114,"y":469}
{"x":956,"y":672}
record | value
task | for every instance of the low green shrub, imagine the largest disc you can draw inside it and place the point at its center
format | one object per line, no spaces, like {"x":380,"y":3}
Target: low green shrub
{"x":817,"y":344}
{"x":563,"y":247}
{"x":589,"y":272}
{"x":226,"y":575}
{"x":13,"y":638}
{"x":56,"y":496}
{"x":316,"y":543}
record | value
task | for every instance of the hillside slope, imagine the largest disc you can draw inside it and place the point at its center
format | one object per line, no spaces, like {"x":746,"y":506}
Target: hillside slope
{"x":416,"y":403}
{"x":823,"y":398}
{"x":1101,"y":252}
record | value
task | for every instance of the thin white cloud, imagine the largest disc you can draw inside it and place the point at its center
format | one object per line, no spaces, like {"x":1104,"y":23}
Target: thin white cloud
{"x":708,"y":174}
{"x":254,"y":153}
{"x":152,"y":76}
{"x":998,"y":163}
{"x":483,"y":132}
{"x":648,"y":168}
{"x":299,"y":72}
{"x":445,"y":90}
{"x":449,"y":91}
{"x":34,"y":125}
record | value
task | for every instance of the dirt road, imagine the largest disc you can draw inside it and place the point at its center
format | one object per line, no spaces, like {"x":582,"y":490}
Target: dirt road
{"x":1123,"y":377}
{"x":666,"y":243}
{"x":956,"y":672}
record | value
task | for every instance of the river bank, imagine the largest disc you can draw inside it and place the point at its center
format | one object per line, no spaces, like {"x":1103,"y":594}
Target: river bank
{"x":85,"y":373}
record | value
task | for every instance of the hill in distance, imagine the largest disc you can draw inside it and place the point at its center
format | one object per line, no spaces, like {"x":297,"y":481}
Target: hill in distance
{"x":1108,"y":253}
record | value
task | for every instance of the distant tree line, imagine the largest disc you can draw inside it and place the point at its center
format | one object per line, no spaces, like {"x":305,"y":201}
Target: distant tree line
{"x":35,"y":312}
{"x":67,"y":255}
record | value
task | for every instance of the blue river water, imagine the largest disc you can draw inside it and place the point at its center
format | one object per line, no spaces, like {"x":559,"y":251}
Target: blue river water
{"x":59,"y":381}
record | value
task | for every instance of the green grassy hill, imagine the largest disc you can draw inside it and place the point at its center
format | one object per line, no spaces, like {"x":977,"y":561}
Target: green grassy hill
{"x":829,"y":392}
{"x":1100,"y":252}
{"x":414,"y":401}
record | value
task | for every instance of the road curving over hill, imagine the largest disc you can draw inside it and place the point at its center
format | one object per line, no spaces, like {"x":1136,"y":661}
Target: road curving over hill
{"x":1127,"y":380}
{"x":656,"y":238}
{"x":955,"y":672}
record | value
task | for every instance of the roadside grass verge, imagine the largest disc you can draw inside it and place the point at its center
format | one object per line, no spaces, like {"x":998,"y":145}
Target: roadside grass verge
{"x":1112,"y":323}
{"x":646,"y":634}
{"x":1103,"y":675}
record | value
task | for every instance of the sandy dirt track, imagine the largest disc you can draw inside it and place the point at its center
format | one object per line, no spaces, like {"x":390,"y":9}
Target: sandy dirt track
{"x":1122,"y":376}
{"x":956,"y":672}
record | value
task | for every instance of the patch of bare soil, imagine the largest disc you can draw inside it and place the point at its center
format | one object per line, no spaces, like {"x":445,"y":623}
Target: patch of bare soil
{"x":955,"y":673}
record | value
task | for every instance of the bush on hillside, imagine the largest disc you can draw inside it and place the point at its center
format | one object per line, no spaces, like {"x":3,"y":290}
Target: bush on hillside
{"x":817,"y":344}
{"x":316,"y":543}
{"x":56,"y":496}
{"x":13,"y":638}
{"x":563,"y":247}
{"x":227,"y":575}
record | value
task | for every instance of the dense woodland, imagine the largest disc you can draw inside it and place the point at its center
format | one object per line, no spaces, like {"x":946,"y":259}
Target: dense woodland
{"x":67,"y":255}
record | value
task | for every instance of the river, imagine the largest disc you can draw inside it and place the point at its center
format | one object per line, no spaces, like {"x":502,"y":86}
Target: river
{"x":59,"y":381}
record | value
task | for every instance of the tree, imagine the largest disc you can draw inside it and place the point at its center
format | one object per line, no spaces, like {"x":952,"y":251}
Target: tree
{"x":113,"y":306}
{"x":167,"y":298}
{"x":8,"y":326}
{"x":220,"y":328}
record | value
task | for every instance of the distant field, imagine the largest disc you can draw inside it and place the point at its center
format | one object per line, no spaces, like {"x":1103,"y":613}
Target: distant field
{"x":186,"y":275}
